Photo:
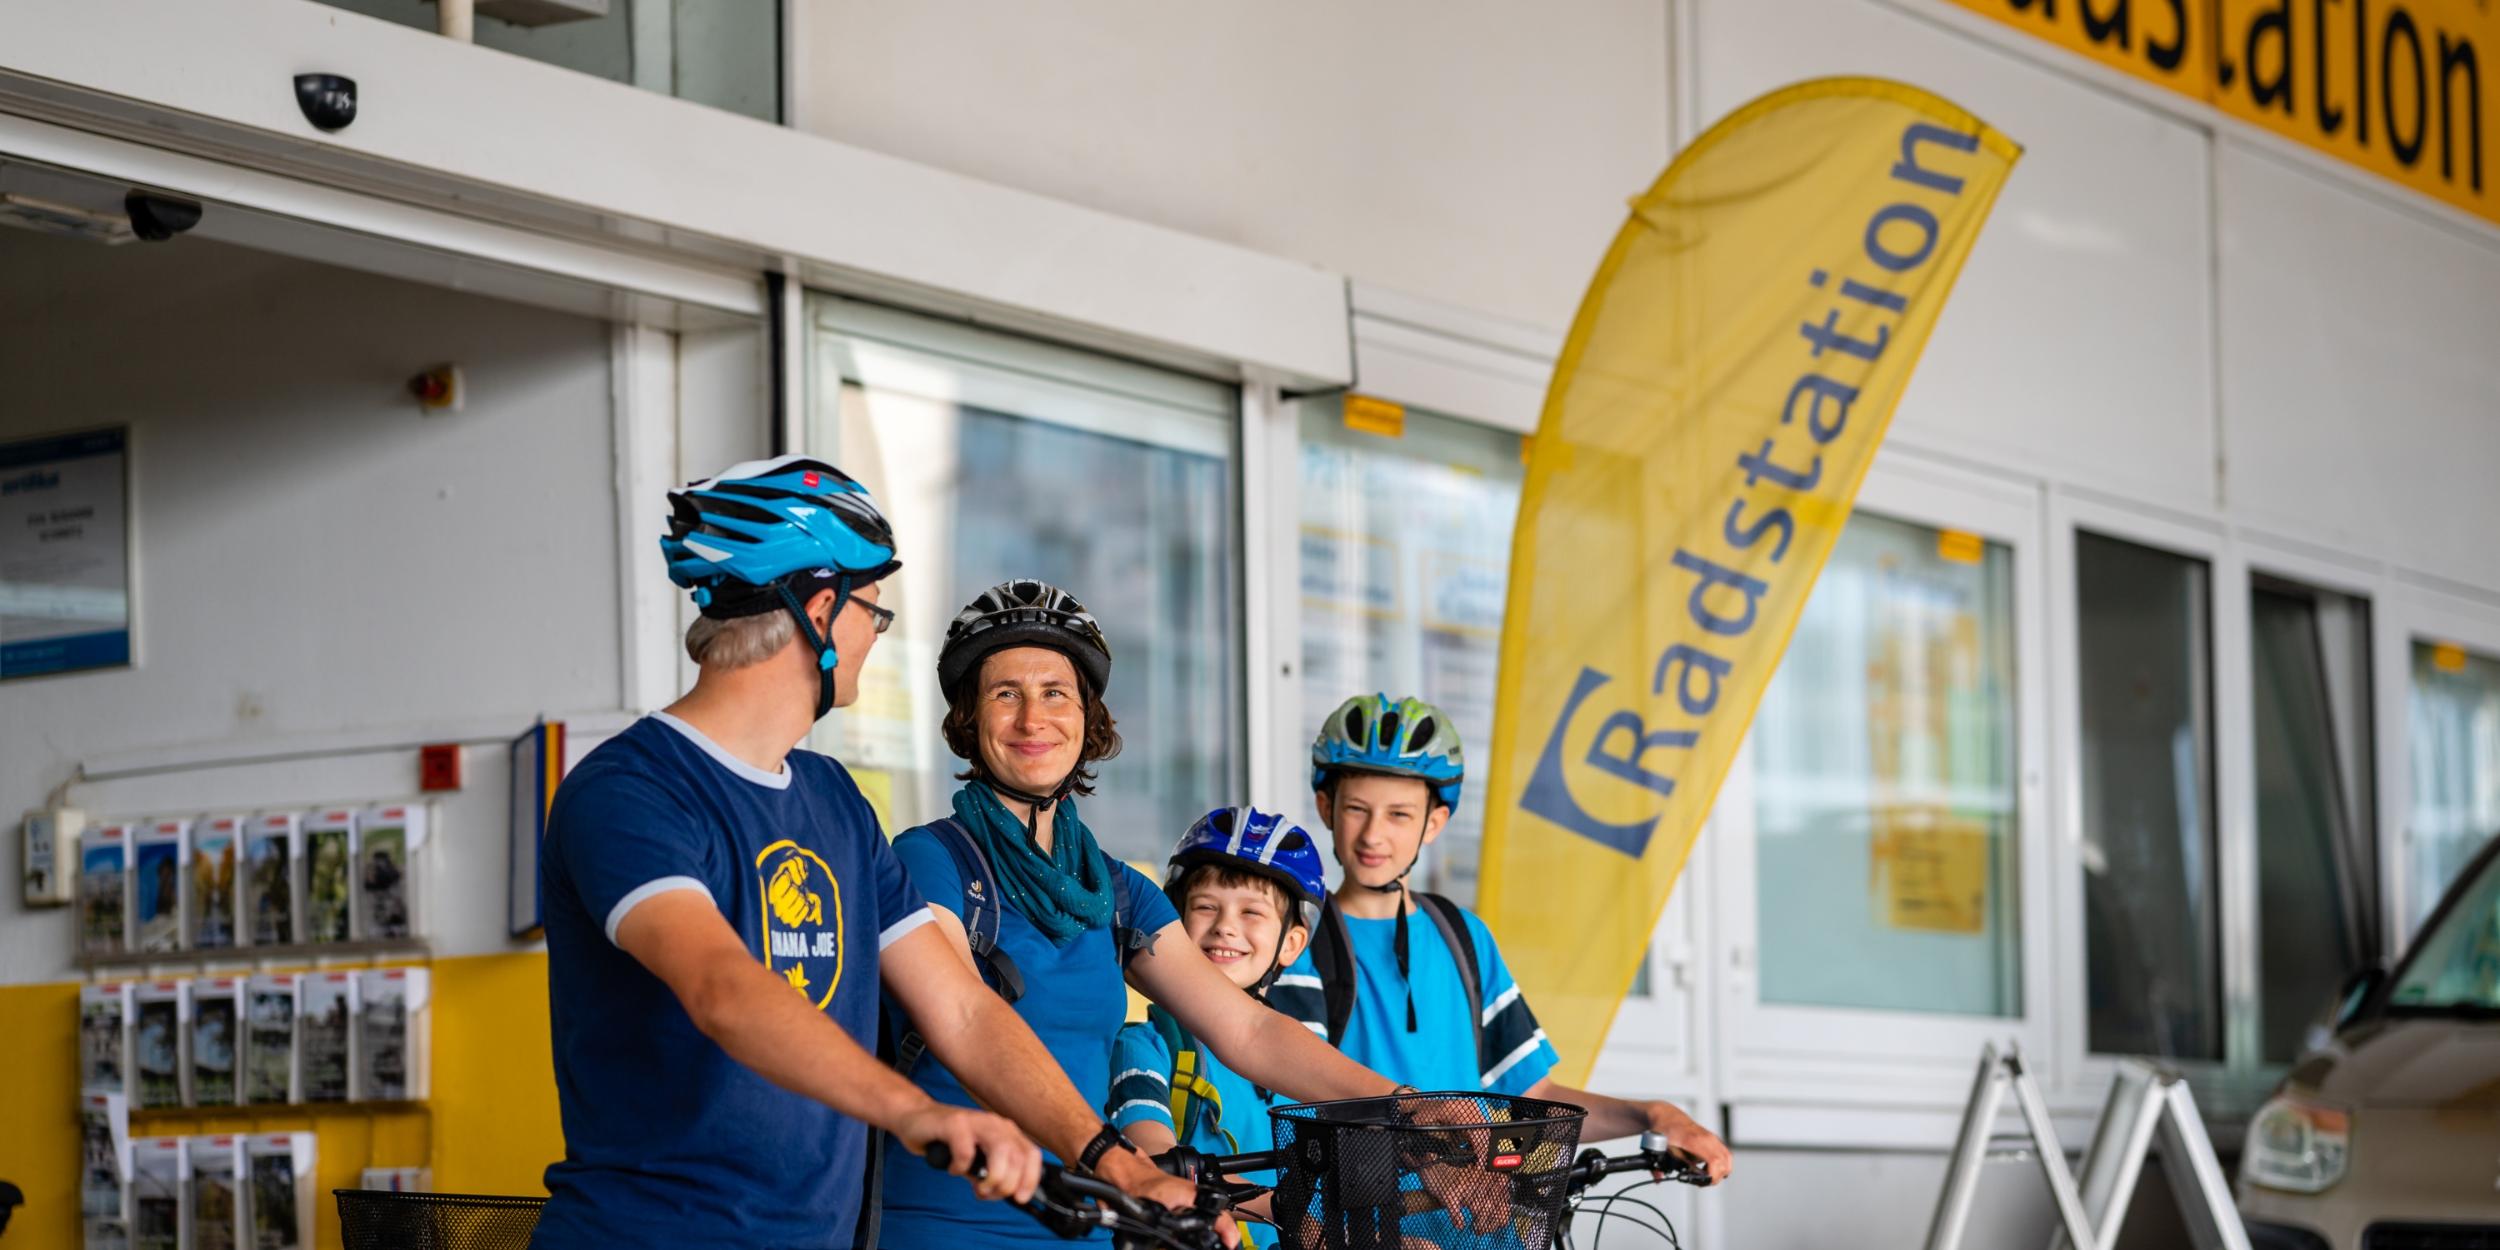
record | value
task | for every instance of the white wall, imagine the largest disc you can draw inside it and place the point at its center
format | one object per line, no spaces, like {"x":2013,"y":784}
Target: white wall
{"x":2361,"y":391}
{"x":1479,"y":153}
{"x":2077,"y":342}
{"x":314,"y":559}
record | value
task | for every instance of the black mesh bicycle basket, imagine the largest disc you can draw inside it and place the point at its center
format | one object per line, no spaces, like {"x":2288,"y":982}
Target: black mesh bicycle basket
{"x":377,"y":1219}
{"x":1465,"y":1171}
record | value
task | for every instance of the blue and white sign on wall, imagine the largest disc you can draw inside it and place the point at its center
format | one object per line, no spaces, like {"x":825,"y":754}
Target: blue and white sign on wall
{"x":64,"y":553}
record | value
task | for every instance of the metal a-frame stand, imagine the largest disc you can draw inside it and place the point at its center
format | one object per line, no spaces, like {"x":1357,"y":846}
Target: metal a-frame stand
{"x":2143,"y":1103}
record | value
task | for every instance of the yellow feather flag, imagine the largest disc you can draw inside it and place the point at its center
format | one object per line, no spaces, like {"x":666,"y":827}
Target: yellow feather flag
{"x":1725,"y":386}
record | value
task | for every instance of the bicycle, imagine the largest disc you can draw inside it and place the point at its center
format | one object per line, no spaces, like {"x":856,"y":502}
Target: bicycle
{"x":1440,"y":1170}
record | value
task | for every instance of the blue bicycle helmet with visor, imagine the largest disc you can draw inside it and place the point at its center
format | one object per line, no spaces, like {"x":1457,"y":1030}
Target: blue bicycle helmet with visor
{"x":1247,"y":840}
{"x":766,"y":535}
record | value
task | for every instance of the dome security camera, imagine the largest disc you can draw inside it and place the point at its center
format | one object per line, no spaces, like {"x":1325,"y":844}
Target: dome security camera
{"x":328,"y":100}
{"x":156,"y":217}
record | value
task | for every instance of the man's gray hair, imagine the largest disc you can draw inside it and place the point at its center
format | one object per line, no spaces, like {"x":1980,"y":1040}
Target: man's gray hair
{"x":741,"y":642}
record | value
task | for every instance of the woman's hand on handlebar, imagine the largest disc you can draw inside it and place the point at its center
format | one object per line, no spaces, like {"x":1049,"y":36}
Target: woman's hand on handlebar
{"x":1138,"y":1177}
{"x":1008,"y":1162}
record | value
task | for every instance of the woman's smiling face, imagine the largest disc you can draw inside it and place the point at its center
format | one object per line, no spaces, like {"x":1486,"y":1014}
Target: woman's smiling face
{"x":1031,"y":716}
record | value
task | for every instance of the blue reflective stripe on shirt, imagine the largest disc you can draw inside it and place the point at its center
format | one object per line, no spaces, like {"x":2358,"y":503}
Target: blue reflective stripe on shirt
{"x":667,"y":1139}
{"x":1075,"y":1001}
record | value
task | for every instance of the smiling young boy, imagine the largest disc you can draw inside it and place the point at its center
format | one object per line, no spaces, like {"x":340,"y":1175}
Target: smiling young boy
{"x":1242,"y":879}
{"x":1410,"y":984}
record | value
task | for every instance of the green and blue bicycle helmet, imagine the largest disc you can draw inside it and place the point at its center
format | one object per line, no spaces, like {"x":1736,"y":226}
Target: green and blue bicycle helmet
{"x":1370,"y":733}
{"x":766,"y":535}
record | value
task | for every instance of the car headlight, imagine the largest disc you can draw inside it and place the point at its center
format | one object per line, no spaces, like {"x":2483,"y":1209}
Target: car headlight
{"x":2298,"y":1146}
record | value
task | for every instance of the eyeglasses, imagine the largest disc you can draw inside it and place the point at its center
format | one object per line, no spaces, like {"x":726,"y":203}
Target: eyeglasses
{"x":883,"y":618}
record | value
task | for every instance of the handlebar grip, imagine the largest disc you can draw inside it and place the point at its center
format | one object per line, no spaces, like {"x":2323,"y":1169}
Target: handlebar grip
{"x":942,"y":1157}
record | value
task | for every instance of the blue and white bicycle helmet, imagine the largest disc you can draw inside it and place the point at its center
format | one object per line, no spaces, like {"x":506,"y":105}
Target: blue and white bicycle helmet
{"x":1245,"y":839}
{"x":767,"y":534}
{"x":1370,"y":733}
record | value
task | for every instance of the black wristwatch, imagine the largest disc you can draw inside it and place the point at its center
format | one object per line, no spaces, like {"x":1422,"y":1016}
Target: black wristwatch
{"x":1101,"y":1145}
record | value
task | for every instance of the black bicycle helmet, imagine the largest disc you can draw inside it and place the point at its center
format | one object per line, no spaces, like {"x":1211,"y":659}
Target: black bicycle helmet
{"x":1023,"y":613}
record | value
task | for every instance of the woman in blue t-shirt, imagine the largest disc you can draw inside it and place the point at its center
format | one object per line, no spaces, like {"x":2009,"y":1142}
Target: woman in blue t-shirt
{"x":1052,"y":922}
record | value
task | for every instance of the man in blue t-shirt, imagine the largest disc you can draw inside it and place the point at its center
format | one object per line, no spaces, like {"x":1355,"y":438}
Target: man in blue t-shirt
{"x":1386,"y":776}
{"x":722,"y":910}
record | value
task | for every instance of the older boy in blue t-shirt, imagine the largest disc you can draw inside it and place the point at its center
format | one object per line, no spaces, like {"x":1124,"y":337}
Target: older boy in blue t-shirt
{"x":1420,"y":992}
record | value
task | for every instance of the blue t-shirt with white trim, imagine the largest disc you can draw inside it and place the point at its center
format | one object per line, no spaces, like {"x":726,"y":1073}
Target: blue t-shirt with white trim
{"x":1441,"y":1054}
{"x":668,"y":1140}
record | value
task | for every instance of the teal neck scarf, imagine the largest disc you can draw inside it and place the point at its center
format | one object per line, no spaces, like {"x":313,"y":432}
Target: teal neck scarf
{"x":1065,"y":892}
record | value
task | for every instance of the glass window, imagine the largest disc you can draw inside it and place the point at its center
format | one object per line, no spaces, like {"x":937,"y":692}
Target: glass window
{"x":998,"y":458}
{"x":724,"y":55}
{"x":2456,"y":967}
{"x":2151,"y":920}
{"x":2456,"y":770}
{"x":1884,"y":762}
{"x":2317,"y":881}
{"x":1405,"y":560}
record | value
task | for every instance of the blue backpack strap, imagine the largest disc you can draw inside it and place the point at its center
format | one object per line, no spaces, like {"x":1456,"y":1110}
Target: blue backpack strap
{"x":981,"y":906}
{"x":980,"y":917}
{"x":1126,"y":937}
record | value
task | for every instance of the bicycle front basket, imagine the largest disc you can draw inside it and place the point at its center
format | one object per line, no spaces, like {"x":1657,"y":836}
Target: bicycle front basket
{"x":1454,"y":1170}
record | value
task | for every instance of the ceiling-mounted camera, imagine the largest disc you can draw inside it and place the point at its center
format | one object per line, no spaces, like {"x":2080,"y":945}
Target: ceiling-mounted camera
{"x":328,"y":100}
{"x":156,"y":217}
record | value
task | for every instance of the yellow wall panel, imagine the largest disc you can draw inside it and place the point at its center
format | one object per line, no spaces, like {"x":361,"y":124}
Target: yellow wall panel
{"x":490,"y":1127}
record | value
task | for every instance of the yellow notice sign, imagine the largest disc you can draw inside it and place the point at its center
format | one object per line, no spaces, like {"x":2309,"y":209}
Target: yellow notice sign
{"x":2394,"y":87}
{"x":1929,"y":870}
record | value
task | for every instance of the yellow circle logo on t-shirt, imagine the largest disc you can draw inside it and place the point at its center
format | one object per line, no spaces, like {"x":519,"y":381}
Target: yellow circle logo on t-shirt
{"x":802,"y":903}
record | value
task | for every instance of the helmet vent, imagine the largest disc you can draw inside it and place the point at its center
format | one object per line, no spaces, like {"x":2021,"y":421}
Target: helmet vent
{"x":1354,"y":722}
{"x":1421,"y":739}
{"x":1389,"y":730}
{"x":741,"y":511}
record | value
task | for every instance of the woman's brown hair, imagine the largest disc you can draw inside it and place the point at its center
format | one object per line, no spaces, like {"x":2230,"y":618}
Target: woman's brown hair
{"x":962,"y":728}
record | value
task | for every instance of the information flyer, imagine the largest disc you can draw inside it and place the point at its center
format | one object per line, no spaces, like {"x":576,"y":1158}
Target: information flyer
{"x":64,"y":554}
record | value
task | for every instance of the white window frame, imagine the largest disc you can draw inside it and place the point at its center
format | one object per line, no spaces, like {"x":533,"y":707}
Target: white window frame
{"x":2257,"y":552}
{"x":1846,"y":1056}
{"x":2414,"y":612}
{"x":2080,"y":1070}
{"x":849,"y":342}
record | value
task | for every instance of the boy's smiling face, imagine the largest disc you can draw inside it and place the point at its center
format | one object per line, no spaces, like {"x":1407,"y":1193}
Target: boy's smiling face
{"x":1241,"y":926}
{"x":1380,"y":823}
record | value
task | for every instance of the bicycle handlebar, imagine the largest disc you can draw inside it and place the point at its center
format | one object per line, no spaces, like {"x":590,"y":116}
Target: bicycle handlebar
{"x":1072,"y":1204}
{"x":1655,"y":1157}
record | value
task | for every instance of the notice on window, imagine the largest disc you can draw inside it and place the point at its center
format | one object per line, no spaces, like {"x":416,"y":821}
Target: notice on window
{"x":1931,"y":870}
{"x":64,"y":554}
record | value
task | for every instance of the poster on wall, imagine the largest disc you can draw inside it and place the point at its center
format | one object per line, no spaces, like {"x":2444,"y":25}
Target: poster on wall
{"x":64,"y":554}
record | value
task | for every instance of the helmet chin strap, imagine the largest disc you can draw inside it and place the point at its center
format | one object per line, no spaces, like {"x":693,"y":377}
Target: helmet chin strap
{"x":1039,"y":803}
{"x":826,"y":660}
{"x":1397,"y":886}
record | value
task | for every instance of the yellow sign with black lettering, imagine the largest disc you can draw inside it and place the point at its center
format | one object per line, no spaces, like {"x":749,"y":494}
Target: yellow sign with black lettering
{"x":2394,"y":87}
